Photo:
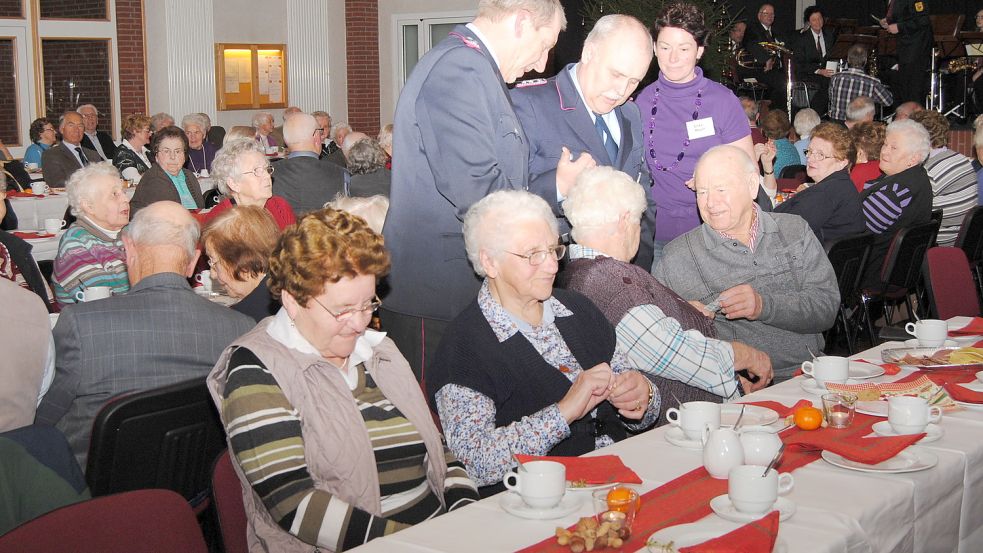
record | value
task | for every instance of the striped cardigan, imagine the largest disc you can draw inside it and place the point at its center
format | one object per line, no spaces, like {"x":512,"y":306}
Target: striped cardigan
{"x":87,"y":257}
{"x":953,"y":189}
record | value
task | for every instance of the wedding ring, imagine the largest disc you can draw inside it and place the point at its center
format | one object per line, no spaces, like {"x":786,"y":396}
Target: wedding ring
{"x":638,"y":405}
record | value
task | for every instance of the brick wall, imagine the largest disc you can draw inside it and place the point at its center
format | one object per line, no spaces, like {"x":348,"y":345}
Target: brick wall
{"x":85,"y":63}
{"x":362,"y":38}
{"x":132,"y":61}
{"x":8,"y":94}
{"x":73,"y":9}
{"x":961,"y":140}
{"x":11,"y":8}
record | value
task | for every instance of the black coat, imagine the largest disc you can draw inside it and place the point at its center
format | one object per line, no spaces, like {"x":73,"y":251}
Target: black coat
{"x":831,"y":207}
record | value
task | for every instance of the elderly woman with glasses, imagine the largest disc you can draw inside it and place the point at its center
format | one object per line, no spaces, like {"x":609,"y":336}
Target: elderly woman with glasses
{"x":831,"y":206}
{"x":43,"y":136}
{"x":328,"y":430}
{"x":527,"y":368}
{"x":168,"y":179}
{"x":200,"y":151}
{"x":90,"y":252}
{"x":245,"y":177}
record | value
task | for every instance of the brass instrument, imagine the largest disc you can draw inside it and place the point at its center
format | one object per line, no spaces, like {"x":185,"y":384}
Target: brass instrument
{"x":872,"y":63}
{"x":747,"y":61}
{"x":776,"y":48}
{"x":961,"y":64}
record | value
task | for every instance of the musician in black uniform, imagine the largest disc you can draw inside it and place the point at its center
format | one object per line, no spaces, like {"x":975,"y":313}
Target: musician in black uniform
{"x":811,"y":54}
{"x":909,"y":20}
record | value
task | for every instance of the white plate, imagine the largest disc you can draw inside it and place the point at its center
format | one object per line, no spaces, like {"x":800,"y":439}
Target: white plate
{"x":975,"y":385}
{"x":685,"y":535}
{"x":753,"y":415}
{"x":979,"y":376}
{"x":726,"y":510}
{"x":677,"y":437}
{"x":513,"y":504}
{"x":589,"y":487}
{"x":933,"y":431}
{"x":965,"y":341}
{"x":811,"y":386}
{"x":913,"y":343}
{"x":876,"y":408}
{"x":970,"y":406}
{"x":863,"y":371}
{"x":910,"y":460}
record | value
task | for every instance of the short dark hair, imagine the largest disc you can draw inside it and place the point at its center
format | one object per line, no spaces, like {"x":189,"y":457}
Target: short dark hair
{"x":168,"y":132}
{"x":810,"y":11}
{"x":37,"y":127}
{"x":682,"y":16}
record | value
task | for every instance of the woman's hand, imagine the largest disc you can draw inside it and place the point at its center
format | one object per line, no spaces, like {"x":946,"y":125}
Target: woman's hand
{"x":630,"y":395}
{"x":589,"y":389}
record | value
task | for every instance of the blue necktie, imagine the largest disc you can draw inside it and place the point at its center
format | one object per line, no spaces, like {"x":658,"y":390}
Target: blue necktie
{"x":609,"y":144}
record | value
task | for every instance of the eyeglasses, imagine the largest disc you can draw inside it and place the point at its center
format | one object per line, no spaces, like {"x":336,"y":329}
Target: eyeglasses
{"x":818,"y":155}
{"x":171,"y":153}
{"x":538,"y":257}
{"x":260,"y":171}
{"x":319,"y":130}
{"x":346,"y":314}
{"x":46,"y":129}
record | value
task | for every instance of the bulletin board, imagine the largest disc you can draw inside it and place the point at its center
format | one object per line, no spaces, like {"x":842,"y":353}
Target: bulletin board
{"x":251,"y":76}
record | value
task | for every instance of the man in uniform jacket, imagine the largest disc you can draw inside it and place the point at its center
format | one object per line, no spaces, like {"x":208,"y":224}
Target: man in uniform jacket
{"x":563,"y":112}
{"x":909,"y":20}
{"x":456,"y":139}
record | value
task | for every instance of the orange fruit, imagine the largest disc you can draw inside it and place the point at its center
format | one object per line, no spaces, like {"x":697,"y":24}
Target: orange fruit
{"x":619,"y":497}
{"x":808,"y":418}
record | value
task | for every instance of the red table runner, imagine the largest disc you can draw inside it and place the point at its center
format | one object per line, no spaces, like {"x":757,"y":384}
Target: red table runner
{"x":687,"y":498}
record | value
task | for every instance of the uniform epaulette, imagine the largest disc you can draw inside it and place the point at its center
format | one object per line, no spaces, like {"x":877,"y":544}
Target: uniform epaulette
{"x":530,"y":82}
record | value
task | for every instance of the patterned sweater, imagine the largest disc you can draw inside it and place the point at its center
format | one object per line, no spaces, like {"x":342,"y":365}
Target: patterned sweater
{"x":88,"y":257}
{"x":953,"y":190}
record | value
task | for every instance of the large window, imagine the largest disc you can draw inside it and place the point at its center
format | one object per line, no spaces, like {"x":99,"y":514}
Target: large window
{"x":76,"y":72}
{"x":419,"y":33}
{"x":8,"y":92}
{"x":74,"y":9}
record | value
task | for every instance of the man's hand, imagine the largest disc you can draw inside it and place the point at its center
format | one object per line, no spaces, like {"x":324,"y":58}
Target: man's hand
{"x":893,"y":28}
{"x":756,"y":362}
{"x":568,"y":170}
{"x":769,"y":64}
{"x":630,"y":394}
{"x":590,"y":388}
{"x":826,"y":72}
{"x":741,"y":302}
{"x":883,"y":23}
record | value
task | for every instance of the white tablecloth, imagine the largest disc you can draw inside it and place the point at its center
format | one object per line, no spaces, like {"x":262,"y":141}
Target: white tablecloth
{"x":31,"y":212}
{"x":935,"y":510}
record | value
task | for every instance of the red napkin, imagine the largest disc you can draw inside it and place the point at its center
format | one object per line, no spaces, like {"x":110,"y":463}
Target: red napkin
{"x":889,"y":368}
{"x":974,"y":327}
{"x":14,"y":194}
{"x":754,"y":537}
{"x":963,"y":394}
{"x":862,"y":450}
{"x":603,"y":469}
{"x":32,"y":235}
{"x":780,"y":408}
{"x":951,"y":380}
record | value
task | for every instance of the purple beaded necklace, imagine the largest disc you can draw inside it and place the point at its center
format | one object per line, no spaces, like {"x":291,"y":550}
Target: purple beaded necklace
{"x":651,"y":141}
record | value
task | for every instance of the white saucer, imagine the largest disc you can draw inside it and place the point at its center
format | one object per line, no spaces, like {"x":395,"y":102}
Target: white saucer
{"x":811,"y":386}
{"x":677,"y":437}
{"x":912,"y":459}
{"x":970,"y":406}
{"x":863,"y":371}
{"x":913,"y":343}
{"x":685,"y":535}
{"x":933,"y":431}
{"x":726,"y":510}
{"x":512,"y":503}
{"x":876,"y":408}
{"x":754,"y":415}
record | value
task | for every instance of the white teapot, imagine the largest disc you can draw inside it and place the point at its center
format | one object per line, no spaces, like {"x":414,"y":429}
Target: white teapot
{"x":722,"y":451}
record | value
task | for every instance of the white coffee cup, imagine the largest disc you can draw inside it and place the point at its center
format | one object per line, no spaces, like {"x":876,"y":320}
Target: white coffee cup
{"x":911,"y":414}
{"x":750,"y":492}
{"x":205,"y":279}
{"x":39,"y":187}
{"x":94,"y":293}
{"x":760,"y":444}
{"x":51,"y":226}
{"x":828,"y":368}
{"x":203,"y":173}
{"x":541,"y":484}
{"x":931,"y":333}
{"x":694,"y":416}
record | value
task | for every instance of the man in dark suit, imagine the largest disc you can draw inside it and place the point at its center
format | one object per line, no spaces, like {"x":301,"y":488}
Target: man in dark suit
{"x":305,"y":181}
{"x":99,"y":141}
{"x":583,"y":109}
{"x":332,"y":151}
{"x":456,"y":139}
{"x":770,"y":71}
{"x":68,"y":156}
{"x":811,"y":54}
{"x":158,"y":333}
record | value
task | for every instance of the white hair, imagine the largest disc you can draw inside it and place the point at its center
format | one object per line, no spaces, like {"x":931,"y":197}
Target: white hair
{"x":386,"y":137}
{"x":148,"y":229}
{"x":599,"y":197}
{"x":340,"y":125}
{"x":916,"y":137}
{"x":373,"y":208}
{"x":83,"y":106}
{"x":80,"y":185}
{"x":860,"y":108}
{"x":805,"y":121}
{"x":158,"y":118}
{"x":611,"y":24}
{"x":543,"y":11}
{"x":978,"y":137}
{"x":489,"y":222}
{"x":194,"y":119}
{"x":225,"y":166}
{"x":258,"y":118}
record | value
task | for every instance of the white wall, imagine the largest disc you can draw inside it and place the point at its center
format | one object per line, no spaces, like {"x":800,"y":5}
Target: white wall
{"x":387,"y":42}
{"x":246,"y":21}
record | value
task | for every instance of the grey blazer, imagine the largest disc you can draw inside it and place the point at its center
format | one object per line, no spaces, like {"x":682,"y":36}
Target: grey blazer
{"x":59,"y":163}
{"x":158,"y":333}
{"x":156,"y":186}
{"x":307,"y":183}
{"x":456,"y":139}
{"x":553,"y":116}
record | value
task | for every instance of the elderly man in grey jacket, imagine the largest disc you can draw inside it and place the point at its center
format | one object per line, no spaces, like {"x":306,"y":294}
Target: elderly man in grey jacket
{"x":763,"y":276}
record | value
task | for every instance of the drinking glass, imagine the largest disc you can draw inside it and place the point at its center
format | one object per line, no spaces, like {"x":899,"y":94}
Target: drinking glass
{"x":839,"y":409}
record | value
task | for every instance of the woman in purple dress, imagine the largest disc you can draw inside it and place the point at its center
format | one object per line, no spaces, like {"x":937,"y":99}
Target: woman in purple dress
{"x":684,"y":114}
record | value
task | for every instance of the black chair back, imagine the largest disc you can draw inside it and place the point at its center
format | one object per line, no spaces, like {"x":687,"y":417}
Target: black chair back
{"x":903,"y":263}
{"x":793,"y":171}
{"x":216,"y":135}
{"x":848,"y":256}
{"x":970,"y":238}
{"x":167,"y":438}
{"x":212,"y":198}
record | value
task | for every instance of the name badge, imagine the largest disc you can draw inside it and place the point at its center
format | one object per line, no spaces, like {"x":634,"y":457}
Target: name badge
{"x":700,"y":128}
